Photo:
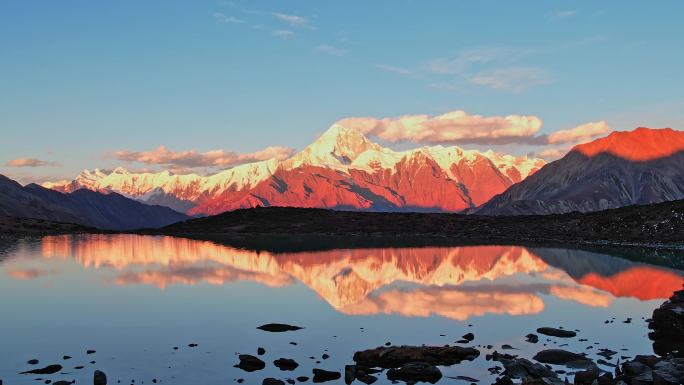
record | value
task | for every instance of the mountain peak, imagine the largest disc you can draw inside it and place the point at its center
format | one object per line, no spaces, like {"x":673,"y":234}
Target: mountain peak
{"x":639,"y":145}
{"x":339,"y":145}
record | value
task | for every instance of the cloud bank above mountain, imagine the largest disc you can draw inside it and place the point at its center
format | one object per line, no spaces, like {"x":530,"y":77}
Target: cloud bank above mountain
{"x":459,"y":127}
{"x":454,"y":127}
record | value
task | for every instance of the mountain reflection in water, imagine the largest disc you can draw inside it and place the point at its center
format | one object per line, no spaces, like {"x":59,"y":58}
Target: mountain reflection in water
{"x":453,"y":282}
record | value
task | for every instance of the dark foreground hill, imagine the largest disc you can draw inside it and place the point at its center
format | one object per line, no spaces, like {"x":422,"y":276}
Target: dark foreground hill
{"x":661,"y":223}
{"x":38,"y":227}
{"x":83,"y":207}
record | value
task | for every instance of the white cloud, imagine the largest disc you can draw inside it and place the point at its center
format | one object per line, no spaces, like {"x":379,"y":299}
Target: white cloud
{"x":332,"y":50}
{"x":181,"y":160}
{"x":452,"y":127}
{"x":553,"y":153}
{"x":581,"y":133}
{"x":31,"y":162}
{"x":461,"y":127}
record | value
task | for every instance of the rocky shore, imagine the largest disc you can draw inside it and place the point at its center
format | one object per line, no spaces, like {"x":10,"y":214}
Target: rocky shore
{"x":415,"y":364}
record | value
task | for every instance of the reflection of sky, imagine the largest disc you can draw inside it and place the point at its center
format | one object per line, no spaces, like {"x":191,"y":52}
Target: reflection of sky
{"x":59,"y":303}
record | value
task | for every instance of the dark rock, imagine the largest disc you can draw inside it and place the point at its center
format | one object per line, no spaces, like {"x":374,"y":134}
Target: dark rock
{"x":90,"y":351}
{"x":250,"y":363}
{"x":564,"y":357}
{"x":50,"y":369}
{"x":606,"y":363}
{"x":286,"y":364}
{"x":667,"y":324}
{"x":349,"y":374}
{"x":396,"y":356}
{"x":62,"y":382}
{"x":192,"y":345}
{"x":32,"y":362}
{"x":320,"y":375}
{"x":261,"y":351}
{"x":532,"y":338}
{"x":522,"y":368}
{"x":291,"y":381}
{"x":505,"y":380}
{"x":366,"y":379}
{"x":605,"y":379}
{"x":607,"y":353}
{"x":465,"y":378}
{"x":414,"y":372}
{"x":507,"y":347}
{"x":79,"y":367}
{"x":587,"y":377}
{"x":302,"y":378}
{"x":553,"y":332}
{"x":272,"y":381}
{"x":99,"y":378}
{"x":278,"y":328}
{"x":468,"y":336}
{"x":65,"y":357}
{"x":668,"y":373}
{"x":325,"y":356}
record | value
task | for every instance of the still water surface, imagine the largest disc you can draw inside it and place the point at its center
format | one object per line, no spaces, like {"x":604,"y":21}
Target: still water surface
{"x":133,"y":298}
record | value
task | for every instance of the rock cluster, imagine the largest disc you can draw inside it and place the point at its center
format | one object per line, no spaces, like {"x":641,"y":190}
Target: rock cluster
{"x":410,"y":364}
{"x":667,"y":324}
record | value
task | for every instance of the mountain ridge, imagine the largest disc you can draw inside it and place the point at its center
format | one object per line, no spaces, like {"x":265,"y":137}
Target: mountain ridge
{"x":642,"y":166}
{"x":341,"y":169}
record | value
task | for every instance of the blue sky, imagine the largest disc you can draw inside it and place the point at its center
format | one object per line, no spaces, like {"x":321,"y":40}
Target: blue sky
{"x":82,"y":80}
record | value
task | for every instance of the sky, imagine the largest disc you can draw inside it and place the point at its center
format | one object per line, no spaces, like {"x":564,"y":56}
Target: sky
{"x":203,"y":85}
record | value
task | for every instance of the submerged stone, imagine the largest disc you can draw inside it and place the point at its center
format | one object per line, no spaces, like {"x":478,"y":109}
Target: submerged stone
{"x":278,"y":328}
{"x":554,"y":332}
{"x":250,"y":363}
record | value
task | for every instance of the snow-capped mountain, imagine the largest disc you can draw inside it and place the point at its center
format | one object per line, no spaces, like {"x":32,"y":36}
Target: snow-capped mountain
{"x":341,"y":169}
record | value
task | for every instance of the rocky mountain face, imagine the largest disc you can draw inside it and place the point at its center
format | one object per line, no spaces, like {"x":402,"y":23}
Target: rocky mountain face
{"x":342,"y":169}
{"x":625,"y":168}
{"x":84,"y":207}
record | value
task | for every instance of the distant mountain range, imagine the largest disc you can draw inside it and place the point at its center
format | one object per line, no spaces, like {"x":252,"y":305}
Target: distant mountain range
{"x":625,"y":168}
{"x":83,"y":207}
{"x":342,"y":169}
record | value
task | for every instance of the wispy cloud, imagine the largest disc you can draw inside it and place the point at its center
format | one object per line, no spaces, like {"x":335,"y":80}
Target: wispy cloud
{"x":563,"y":14}
{"x":223,"y":18}
{"x":515,"y":80}
{"x":466,"y":59}
{"x":295,"y":21}
{"x":31,"y":162}
{"x":284,"y":33}
{"x":332,"y":50}
{"x":498,"y":68}
{"x":393,"y":69}
{"x":194,"y":159}
{"x":279,"y":24}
